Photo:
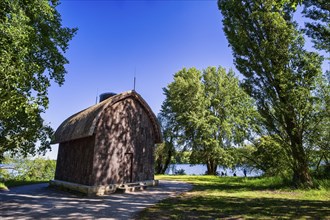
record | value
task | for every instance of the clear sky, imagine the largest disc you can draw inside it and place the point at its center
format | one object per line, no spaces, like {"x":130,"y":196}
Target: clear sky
{"x":152,"y":39}
{"x":116,"y":39}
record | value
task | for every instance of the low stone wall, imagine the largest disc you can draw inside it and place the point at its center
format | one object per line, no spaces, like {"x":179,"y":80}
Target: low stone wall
{"x":95,"y":190}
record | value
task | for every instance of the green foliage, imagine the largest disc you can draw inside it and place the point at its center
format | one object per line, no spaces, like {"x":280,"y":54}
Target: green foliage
{"x":163,"y":157}
{"x":318,"y":139}
{"x":322,"y":172}
{"x":212,"y":112}
{"x":165,"y":151}
{"x":279,"y":73}
{"x":268,"y":155}
{"x":182,"y":157}
{"x":4,"y":174}
{"x":319,"y":26}
{"x":37,"y":169}
{"x":32,"y":47}
{"x":180,"y":172}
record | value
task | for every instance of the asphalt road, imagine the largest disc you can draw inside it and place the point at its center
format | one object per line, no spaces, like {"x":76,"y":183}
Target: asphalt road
{"x":38,"y":201}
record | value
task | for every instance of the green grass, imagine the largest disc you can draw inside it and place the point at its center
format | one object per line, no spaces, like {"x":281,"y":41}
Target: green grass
{"x":11,"y":183}
{"x":3,"y":186}
{"x":241,"y":198}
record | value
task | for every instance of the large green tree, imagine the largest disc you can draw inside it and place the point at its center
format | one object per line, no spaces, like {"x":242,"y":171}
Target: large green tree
{"x":279,"y":73}
{"x":32,"y":46}
{"x":212,"y":111}
{"x":318,"y":28}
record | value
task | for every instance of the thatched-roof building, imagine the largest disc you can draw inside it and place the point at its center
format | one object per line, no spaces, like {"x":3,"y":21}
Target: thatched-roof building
{"x":108,"y":144}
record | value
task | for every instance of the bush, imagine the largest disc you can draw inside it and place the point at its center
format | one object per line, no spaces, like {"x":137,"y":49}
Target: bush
{"x":4,"y":175}
{"x":323,"y":172}
{"x":38,"y":169}
{"x":180,"y":172}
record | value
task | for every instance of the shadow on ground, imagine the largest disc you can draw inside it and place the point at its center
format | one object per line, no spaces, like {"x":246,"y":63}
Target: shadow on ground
{"x":40,"y":201}
{"x":223,"y":207}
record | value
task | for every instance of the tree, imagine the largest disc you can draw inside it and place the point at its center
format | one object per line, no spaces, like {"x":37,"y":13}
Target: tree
{"x":36,"y":169}
{"x":319,"y":26}
{"x":182,"y":157}
{"x":32,"y":47}
{"x":318,"y":137}
{"x":212,"y":111}
{"x":279,"y":73}
{"x":266,"y":154}
{"x":166,"y":150}
{"x":31,"y":169}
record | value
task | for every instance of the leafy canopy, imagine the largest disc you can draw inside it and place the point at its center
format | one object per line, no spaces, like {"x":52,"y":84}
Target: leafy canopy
{"x":212,"y":111}
{"x":280,"y":74}
{"x":32,"y":47}
{"x":266,"y":154}
{"x":318,"y":28}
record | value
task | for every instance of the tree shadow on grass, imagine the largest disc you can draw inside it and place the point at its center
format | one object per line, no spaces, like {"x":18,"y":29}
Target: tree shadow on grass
{"x":220,"y":207}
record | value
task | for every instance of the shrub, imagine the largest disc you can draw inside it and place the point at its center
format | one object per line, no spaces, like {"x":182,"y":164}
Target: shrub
{"x":180,"y":172}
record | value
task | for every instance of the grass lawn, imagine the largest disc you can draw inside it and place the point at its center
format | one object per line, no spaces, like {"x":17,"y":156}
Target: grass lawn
{"x":241,"y":198}
{"x":11,"y":183}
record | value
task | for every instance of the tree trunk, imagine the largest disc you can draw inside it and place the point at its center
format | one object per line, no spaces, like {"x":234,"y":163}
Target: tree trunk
{"x":211,"y":167}
{"x":319,"y":162}
{"x":1,"y":157}
{"x":301,"y":176}
{"x":168,"y":159}
{"x":159,"y":166}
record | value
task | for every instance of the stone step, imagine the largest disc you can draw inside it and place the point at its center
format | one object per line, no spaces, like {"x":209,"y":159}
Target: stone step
{"x":131,"y":187}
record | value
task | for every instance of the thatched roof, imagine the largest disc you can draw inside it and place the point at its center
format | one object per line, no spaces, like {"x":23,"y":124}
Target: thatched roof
{"x":83,"y":124}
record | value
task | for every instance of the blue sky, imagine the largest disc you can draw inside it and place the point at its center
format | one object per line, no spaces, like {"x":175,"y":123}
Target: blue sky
{"x":154,"y":39}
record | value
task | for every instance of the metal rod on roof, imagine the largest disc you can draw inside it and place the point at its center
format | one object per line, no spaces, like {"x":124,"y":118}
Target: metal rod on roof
{"x":134,"y":78}
{"x":97,"y":94}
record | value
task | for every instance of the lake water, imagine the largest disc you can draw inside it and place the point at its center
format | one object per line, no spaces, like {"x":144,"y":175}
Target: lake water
{"x":200,"y":169}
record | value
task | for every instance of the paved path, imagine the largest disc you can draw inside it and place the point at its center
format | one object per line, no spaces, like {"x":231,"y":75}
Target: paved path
{"x":38,"y":201}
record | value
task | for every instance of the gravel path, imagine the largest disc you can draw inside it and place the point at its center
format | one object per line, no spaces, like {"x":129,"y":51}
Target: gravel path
{"x":38,"y":201}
